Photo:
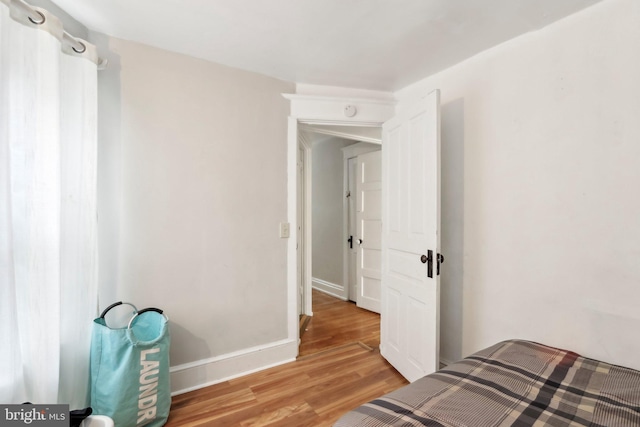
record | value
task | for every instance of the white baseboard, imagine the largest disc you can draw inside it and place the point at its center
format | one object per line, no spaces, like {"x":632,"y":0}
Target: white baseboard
{"x":329,"y":288}
{"x":203,"y":373}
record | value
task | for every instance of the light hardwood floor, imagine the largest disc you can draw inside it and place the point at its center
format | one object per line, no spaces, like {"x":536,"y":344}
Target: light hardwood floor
{"x":335,"y":323}
{"x":339,"y":368}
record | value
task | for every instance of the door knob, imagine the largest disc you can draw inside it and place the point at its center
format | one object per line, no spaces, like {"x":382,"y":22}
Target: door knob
{"x":428,"y":259}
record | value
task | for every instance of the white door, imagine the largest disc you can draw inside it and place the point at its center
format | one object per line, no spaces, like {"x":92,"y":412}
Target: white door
{"x":352,"y":167}
{"x":411,"y":222}
{"x":369,"y":234}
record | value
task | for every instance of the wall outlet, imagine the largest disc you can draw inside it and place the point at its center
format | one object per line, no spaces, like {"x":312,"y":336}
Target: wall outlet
{"x":284,"y":230}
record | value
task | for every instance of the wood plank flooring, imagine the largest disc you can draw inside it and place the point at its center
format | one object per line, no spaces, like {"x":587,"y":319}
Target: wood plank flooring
{"x":341,"y":368}
{"x":335,"y":323}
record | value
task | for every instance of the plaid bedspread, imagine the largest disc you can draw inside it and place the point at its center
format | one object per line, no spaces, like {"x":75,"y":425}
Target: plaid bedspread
{"x":513,"y":383}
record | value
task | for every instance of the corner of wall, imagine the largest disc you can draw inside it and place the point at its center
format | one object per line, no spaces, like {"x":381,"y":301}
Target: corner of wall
{"x":329,"y":288}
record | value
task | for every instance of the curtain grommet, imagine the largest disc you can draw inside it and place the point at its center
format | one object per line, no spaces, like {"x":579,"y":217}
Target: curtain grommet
{"x":36,"y":22}
{"x":84,"y":48}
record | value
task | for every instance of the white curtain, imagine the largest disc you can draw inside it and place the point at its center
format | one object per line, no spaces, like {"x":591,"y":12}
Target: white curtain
{"x":48,"y":248}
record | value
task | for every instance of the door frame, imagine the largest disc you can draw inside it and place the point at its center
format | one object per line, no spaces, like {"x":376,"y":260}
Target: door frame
{"x":318,"y":110}
{"x":304,"y":212}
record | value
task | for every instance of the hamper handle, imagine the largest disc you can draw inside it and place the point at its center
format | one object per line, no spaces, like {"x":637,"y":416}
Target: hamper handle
{"x":115,"y":304}
{"x":146,"y":310}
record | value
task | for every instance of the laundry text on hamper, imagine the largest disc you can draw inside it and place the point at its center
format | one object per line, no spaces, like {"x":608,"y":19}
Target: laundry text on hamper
{"x":149,"y":371}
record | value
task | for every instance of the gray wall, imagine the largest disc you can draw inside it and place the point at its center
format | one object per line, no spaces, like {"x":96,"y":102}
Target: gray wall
{"x":192,"y":188}
{"x":327,"y":209}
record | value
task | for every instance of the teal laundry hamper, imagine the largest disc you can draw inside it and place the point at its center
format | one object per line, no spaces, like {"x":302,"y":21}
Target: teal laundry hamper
{"x":130,"y":369}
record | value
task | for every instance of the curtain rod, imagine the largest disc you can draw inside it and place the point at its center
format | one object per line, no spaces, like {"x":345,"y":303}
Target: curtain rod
{"x":37,"y":18}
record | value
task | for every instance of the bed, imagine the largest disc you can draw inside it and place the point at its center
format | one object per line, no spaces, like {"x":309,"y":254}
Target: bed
{"x":512,"y":383}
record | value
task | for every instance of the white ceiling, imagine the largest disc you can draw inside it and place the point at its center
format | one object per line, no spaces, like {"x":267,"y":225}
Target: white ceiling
{"x":369,"y":44}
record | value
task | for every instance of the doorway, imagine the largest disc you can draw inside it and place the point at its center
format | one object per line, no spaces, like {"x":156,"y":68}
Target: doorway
{"x":326,"y":112}
{"x":327,"y":216}
{"x":411,"y":166}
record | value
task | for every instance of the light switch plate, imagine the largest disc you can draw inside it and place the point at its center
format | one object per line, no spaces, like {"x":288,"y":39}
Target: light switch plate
{"x":284,"y":230}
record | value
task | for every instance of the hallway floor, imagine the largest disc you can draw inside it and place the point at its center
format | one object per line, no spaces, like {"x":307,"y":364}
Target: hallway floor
{"x":335,"y":323}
